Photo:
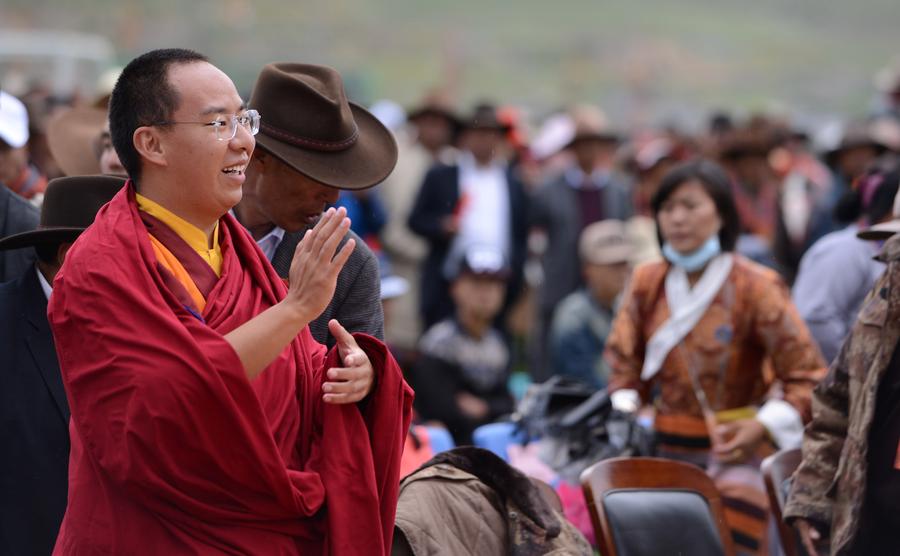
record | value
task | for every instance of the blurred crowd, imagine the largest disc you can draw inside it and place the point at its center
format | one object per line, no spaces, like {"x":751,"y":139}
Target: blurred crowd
{"x":507,"y":244}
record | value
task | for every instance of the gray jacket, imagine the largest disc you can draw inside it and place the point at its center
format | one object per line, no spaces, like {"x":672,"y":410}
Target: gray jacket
{"x":834,"y":277}
{"x":356,"y":302}
{"x":16,"y":215}
{"x":555,"y":209}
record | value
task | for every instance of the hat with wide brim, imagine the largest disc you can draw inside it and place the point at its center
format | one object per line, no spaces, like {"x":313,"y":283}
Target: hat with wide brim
{"x":878,"y":232}
{"x":485,"y":117}
{"x":589,"y":123}
{"x":308,"y":123}
{"x":72,"y":136}
{"x":70,"y":206}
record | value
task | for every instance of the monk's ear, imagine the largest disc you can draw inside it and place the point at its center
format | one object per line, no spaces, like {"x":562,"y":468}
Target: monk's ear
{"x":149,"y":144}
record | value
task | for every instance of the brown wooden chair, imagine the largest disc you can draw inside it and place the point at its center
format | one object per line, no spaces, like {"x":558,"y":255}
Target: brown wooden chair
{"x":777,"y":469}
{"x":648,"y":506}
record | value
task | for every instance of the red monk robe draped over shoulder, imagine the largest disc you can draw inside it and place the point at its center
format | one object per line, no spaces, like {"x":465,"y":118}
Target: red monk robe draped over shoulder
{"x":174,"y":451}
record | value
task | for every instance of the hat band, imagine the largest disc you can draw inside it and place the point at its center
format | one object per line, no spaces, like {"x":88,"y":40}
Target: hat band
{"x":314,"y":144}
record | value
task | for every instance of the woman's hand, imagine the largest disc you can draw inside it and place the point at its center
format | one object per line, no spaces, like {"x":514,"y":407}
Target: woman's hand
{"x":812,"y":538}
{"x":737,"y":442}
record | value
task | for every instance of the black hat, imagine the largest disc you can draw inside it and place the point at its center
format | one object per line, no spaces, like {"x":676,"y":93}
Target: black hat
{"x":70,"y":206}
{"x":485,"y":117}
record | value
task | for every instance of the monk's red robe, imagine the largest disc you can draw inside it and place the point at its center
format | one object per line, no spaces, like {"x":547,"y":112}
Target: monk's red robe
{"x":174,"y":451}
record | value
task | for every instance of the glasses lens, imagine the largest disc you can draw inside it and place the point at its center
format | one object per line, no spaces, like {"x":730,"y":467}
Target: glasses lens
{"x":250,"y":121}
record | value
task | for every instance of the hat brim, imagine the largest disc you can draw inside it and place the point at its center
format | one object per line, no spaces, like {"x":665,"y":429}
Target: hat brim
{"x":40,"y":237}
{"x":612,"y":255}
{"x":71,"y":136}
{"x":599,"y":137}
{"x":498,"y":127}
{"x":879,"y":231}
{"x":414,"y":114}
{"x":367,"y":163}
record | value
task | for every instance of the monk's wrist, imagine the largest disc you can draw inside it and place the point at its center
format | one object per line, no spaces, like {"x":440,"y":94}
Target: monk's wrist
{"x":295,"y":315}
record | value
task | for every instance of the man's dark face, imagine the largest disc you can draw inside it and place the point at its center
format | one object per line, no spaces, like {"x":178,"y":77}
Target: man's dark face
{"x":287,"y":198}
{"x":591,"y":154}
{"x":433,"y":131}
{"x":484,"y":144}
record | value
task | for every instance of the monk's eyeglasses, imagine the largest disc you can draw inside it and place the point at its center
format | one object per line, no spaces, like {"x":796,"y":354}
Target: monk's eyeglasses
{"x":226,"y":126}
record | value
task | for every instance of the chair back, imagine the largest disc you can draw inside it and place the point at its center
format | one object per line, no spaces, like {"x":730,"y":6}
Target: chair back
{"x":777,"y":470}
{"x":649,"y":506}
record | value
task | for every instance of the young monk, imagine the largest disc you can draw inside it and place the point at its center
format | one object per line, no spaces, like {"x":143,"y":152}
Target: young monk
{"x":205,"y":418}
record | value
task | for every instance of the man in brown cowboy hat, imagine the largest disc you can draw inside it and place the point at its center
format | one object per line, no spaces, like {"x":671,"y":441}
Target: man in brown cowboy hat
{"x":587,"y":191}
{"x":477,"y":200}
{"x":312,"y":143}
{"x":205,"y":418}
{"x":33,"y":405}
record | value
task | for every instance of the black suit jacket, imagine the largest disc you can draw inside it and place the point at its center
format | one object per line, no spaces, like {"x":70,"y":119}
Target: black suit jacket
{"x":16,"y":215}
{"x":436,"y":200}
{"x":34,"y":422}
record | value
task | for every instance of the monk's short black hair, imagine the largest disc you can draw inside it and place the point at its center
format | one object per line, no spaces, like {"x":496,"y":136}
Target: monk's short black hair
{"x":716,"y":183}
{"x":143,"y":96}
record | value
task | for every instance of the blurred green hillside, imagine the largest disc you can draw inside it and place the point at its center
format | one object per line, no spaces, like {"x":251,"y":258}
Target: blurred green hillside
{"x":642,"y":60}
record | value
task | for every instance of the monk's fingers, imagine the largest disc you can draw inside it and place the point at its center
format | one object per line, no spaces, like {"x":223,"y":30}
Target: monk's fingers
{"x":343,"y":398}
{"x":345,"y":392}
{"x":320,"y":231}
{"x":333,"y":238}
{"x":345,"y":341}
{"x":357,"y":373}
{"x":342,"y":256}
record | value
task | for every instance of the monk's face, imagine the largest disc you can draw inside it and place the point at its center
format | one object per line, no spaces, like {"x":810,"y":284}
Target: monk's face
{"x":283,"y":196}
{"x":208,"y":172}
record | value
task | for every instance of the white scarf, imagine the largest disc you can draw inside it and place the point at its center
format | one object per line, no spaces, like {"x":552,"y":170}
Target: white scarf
{"x":687,"y":306}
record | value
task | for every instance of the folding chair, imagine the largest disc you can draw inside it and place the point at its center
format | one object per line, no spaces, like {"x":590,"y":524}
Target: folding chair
{"x":652,"y":506}
{"x":777,"y":470}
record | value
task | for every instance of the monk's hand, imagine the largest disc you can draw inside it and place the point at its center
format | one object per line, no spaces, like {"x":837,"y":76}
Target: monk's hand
{"x":316,"y":265}
{"x":352,"y":382}
{"x":737,"y":442}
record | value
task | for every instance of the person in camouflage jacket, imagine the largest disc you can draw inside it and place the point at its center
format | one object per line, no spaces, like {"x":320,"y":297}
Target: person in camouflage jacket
{"x":831,"y":492}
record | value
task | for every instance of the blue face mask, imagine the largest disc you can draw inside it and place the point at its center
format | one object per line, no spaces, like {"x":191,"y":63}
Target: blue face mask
{"x":693,"y":262}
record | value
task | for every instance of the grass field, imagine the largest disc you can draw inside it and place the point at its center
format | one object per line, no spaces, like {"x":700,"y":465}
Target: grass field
{"x":643,"y":60}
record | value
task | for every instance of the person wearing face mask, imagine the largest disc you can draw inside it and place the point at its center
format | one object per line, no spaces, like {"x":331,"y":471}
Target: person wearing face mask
{"x":713,"y":342}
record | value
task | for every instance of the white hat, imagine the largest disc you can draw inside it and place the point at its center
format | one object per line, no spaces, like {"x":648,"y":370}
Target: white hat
{"x":13,"y":121}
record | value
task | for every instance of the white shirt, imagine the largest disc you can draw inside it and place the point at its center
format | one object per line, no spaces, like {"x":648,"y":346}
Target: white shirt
{"x":45,"y":285}
{"x":269,"y":242}
{"x":575,"y":177}
{"x":485,"y":211}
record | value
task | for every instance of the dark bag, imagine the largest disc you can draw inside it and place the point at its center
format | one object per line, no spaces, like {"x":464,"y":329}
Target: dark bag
{"x":577,"y":426}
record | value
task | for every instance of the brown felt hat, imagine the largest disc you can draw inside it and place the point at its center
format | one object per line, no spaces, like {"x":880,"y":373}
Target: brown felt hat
{"x":435,"y":103}
{"x":308,"y":123}
{"x":591,"y":124}
{"x":72,"y":135}
{"x":70,"y":206}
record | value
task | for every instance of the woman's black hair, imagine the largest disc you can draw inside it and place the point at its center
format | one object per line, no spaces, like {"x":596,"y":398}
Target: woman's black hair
{"x":716,"y":184}
{"x":850,"y":207}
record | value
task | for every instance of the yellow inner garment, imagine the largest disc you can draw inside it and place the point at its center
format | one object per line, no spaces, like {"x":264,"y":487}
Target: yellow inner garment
{"x":193,"y":236}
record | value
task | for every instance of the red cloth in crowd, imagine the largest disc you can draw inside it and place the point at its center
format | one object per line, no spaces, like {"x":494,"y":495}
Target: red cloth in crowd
{"x":174,"y":451}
